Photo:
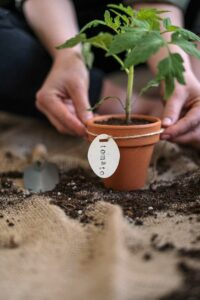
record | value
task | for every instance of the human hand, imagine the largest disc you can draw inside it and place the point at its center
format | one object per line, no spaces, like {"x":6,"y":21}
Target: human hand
{"x":63,"y":98}
{"x":181,"y":116}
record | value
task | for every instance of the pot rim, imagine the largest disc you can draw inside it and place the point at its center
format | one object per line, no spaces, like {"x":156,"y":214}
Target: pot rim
{"x":155,"y":121}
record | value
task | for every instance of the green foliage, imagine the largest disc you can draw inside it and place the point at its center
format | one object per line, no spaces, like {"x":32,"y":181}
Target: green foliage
{"x":132,"y":37}
{"x":126,"y":40}
{"x":91,"y":24}
{"x":151,"y":16}
{"x":105,"y":99}
{"x":102,"y":40}
{"x":188,"y":35}
{"x":169,"y":69}
{"x":146,"y":46}
{"x":126,"y":10}
{"x":113,"y":23}
{"x":151,"y":84}
{"x":124,"y":18}
{"x":182,"y":40}
{"x":79,"y":38}
{"x":168,"y":25}
{"x":88,"y":55}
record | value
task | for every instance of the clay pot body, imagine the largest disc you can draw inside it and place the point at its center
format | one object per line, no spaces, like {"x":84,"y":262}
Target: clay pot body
{"x":135,"y":153}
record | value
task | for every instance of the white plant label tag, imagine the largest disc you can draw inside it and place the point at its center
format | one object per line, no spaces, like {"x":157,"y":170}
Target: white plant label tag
{"x":103,"y":156}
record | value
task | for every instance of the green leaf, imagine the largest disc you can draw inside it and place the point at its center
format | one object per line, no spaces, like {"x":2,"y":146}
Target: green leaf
{"x":151,"y":16}
{"x":124,"y":18}
{"x":167,"y":23}
{"x":110,"y":22}
{"x":148,"y":45}
{"x":169,"y":69}
{"x":87,"y":55}
{"x":102,"y":40}
{"x":150,"y":84}
{"x":79,"y":38}
{"x":188,"y":35}
{"x":91,"y":24}
{"x":125,"y":41}
{"x":172,"y":28}
{"x":104,"y":99}
{"x":117,"y":22}
{"x":127,"y":10}
{"x":187,"y":46}
{"x":173,"y":65}
{"x":148,"y":13}
{"x":169,"y":86}
{"x":141,"y":24}
{"x":154,"y":25}
{"x":107,"y":18}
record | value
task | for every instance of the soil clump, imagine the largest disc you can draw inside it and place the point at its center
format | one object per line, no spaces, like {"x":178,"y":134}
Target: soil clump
{"x":80,"y":188}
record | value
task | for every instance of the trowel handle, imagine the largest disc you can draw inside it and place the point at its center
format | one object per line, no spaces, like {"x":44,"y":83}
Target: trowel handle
{"x":39,"y":154}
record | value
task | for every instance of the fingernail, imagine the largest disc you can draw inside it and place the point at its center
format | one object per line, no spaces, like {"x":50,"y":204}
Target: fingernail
{"x":167,"y":121}
{"x":165,"y":137}
{"x":87,"y":117}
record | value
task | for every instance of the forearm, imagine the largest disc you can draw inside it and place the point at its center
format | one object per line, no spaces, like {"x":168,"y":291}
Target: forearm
{"x":176,"y":16}
{"x":53,"y":21}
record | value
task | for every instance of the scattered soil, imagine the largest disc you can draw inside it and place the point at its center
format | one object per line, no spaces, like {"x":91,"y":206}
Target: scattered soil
{"x":147,"y":256}
{"x":190,"y":253}
{"x":10,"y":195}
{"x":116,"y":121}
{"x":190,"y":289}
{"x":79,"y":188}
{"x":12,"y":174}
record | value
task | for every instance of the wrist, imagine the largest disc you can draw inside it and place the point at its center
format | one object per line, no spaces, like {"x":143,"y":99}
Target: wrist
{"x":66,"y":54}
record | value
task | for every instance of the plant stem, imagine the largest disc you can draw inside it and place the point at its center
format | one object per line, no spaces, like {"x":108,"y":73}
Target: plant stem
{"x":117,"y":58}
{"x":120,"y":62}
{"x":129,"y":95}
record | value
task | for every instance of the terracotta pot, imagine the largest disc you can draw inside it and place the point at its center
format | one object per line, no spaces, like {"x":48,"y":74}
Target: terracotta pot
{"x":135,"y":153}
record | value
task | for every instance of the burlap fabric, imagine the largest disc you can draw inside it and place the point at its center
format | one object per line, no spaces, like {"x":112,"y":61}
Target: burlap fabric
{"x":48,"y":256}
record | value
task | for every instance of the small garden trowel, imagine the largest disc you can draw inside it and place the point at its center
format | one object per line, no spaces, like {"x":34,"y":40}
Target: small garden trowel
{"x":42,"y":175}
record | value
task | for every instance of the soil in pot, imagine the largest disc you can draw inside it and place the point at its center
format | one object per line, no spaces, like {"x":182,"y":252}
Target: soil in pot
{"x":118,"y":121}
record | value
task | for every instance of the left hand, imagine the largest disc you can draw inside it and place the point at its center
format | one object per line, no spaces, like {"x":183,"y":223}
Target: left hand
{"x":181,"y":116}
{"x":63,"y":97}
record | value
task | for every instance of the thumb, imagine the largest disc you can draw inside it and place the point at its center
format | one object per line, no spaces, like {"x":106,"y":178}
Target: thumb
{"x":172,"y":111}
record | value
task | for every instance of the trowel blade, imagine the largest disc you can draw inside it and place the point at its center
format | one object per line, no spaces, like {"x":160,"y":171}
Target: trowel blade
{"x":41,"y":178}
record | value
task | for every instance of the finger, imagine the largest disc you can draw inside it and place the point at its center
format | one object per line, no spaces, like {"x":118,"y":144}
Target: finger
{"x":172,"y":111}
{"x":68,"y":120}
{"x":70,"y":106}
{"x":190,"y":138}
{"x":186,"y":124}
{"x":59,"y":126}
{"x":57,"y":109}
{"x":79,"y":94}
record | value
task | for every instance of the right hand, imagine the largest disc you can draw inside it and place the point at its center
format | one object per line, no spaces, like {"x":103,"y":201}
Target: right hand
{"x":181,"y":117}
{"x":63,"y":97}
